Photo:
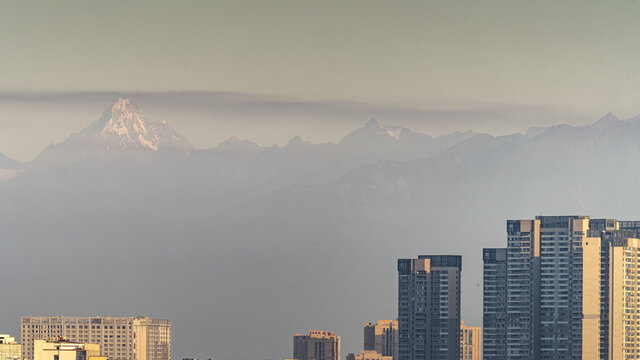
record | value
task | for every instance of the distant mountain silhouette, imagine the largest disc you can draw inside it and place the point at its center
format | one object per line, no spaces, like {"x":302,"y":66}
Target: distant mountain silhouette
{"x":241,"y":237}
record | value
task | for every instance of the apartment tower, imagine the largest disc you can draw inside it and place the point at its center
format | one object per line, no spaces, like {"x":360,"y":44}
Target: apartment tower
{"x":382,"y":337}
{"x":570,"y":286}
{"x":494,"y":298}
{"x":317,"y":345}
{"x":120,"y":338}
{"x":429,"y":307}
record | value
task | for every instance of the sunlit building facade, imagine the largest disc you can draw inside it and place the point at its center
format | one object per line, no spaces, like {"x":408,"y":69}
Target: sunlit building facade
{"x":120,"y":338}
{"x":382,"y":337}
{"x":9,"y":348}
{"x":317,"y":345}
{"x":371,"y":355}
{"x":470,"y":342}
{"x":62,"y":349}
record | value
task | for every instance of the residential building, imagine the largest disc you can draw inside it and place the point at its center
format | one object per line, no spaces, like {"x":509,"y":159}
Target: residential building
{"x":317,"y":345}
{"x":61,"y":349}
{"x":494,"y":319}
{"x":570,"y":290}
{"x":9,"y":348}
{"x":151,"y":339}
{"x":429,"y":307}
{"x":120,"y":338}
{"x":382,"y":337}
{"x":470,"y":343}
{"x":623,"y":332}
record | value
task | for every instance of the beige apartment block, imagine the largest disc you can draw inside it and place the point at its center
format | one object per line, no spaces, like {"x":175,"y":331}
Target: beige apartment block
{"x":470,"y":342}
{"x":318,"y":345}
{"x":9,"y":348}
{"x":120,"y":338}
{"x":382,"y":337}
{"x":62,"y":349}
{"x":371,"y":355}
{"x":624,"y":293}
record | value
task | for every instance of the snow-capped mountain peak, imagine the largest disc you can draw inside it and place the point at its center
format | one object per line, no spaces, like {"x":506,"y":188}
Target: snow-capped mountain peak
{"x":122,"y":131}
{"x":392,"y":131}
{"x":128,"y":126}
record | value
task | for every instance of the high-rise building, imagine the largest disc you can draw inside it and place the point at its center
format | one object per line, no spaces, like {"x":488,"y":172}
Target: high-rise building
{"x":120,"y":338}
{"x":470,"y":343}
{"x":317,"y":345}
{"x":371,"y":355}
{"x":569,"y":280}
{"x":151,"y":339}
{"x":9,"y":348}
{"x":494,"y":321}
{"x":550,"y":266}
{"x":429,"y":307}
{"x":623,"y":295}
{"x":382,"y":337}
{"x":62,"y":349}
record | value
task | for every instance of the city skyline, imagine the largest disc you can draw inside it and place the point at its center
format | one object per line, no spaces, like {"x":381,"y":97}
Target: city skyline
{"x":252,"y":170}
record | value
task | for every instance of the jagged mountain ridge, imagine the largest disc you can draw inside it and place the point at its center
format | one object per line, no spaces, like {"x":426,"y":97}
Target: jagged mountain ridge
{"x":121,"y":131}
{"x":280,"y":212}
{"x":456,"y":202}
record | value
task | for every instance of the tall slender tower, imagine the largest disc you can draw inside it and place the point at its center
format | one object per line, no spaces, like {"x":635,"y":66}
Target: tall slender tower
{"x":494,"y":318}
{"x":429,"y":307}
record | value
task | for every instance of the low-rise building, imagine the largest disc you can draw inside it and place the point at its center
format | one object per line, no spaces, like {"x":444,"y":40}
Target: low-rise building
{"x":9,"y":348}
{"x":62,"y":349}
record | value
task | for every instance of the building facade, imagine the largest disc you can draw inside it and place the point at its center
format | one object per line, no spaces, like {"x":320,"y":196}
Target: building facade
{"x":120,"y":338}
{"x":317,"y":345}
{"x":9,"y":348}
{"x":470,"y":343}
{"x":371,"y":355}
{"x":382,"y":337}
{"x":567,"y":283}
{"x":494,"y":298}
{"x":429,"y":307}
{"x":623,"y":295}
{"x":61,"y":349}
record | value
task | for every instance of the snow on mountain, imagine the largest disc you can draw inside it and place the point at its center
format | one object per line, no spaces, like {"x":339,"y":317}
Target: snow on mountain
{"x":122,"y":131}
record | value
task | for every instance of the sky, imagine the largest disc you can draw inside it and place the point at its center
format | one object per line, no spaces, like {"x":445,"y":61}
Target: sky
{"x":574,"y":59}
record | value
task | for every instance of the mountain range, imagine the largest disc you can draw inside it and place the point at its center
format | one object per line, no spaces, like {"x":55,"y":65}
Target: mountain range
{"x":244,"y":242}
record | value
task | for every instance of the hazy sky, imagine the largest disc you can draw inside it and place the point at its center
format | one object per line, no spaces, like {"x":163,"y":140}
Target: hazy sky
{"x":577,"y":57}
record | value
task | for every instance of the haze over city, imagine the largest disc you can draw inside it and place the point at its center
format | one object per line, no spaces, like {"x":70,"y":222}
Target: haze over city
{"x":250,"y":170}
